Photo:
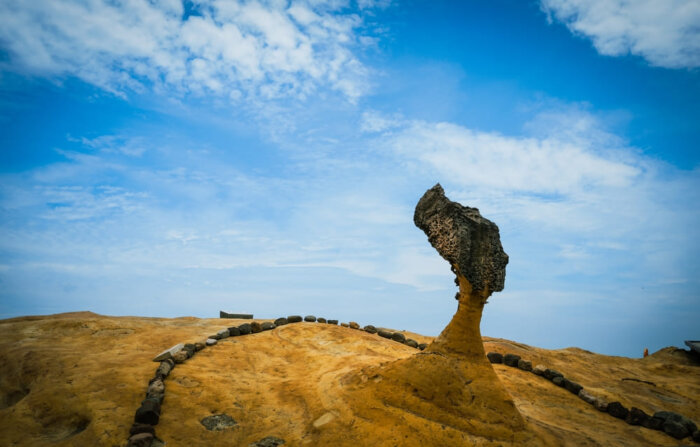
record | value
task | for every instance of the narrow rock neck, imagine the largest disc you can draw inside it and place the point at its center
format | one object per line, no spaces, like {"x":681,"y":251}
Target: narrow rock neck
{"x":463,"y":335}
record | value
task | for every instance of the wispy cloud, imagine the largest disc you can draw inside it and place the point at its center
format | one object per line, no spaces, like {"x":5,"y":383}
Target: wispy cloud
{"x":664,"y":32}
{"x":236,"y":50}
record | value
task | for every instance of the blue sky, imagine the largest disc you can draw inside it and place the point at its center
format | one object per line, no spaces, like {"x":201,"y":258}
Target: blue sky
{"x":174,"y":159}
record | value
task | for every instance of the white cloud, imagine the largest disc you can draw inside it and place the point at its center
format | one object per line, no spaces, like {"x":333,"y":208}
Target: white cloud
{"x":664,"y":32}
{"x":261,"y":48}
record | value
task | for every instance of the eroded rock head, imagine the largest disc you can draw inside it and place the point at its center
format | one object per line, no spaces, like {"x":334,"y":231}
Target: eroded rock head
{"x":468,"y":241}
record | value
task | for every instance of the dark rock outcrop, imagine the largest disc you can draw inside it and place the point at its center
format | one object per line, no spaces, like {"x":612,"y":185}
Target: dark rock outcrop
{"x":616,"y":409}
{"x":511,"y":360}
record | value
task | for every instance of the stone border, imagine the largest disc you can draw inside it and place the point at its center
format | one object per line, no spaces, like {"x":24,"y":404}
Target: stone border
{"x":673,"y":424}
{"x":142,"y":432}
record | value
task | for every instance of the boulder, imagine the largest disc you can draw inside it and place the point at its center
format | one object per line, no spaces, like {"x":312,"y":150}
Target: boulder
{"x":370,"y":329}
{"x":148,"y":412}
{"x":245,"y":329}
{"x":551,"y":374}
{"x":281,"y":321}
{"x":218,"y":422}
{"x":384,"y":333}
{"x":511,"y":360}
{"x":558,"y":381}
{"x":345,"y":325}
{"x":354,"y":325}
{"x":267,"y":326}
{"x":164,"y":369}
{"x":676,"y":424}
{"x":137,"y":428}
{"x":310,"y":319}
{"x":601,"y":404}
{"x":211,"y":342}
{"x":411,"y":342}
{"x":586,"y":396}
{"x":156,"y":387}
{"x":268,"y":441}
{"x":616,"y":409}
{"x":168,"y":353}
{"x":180,"y":357}
{"x":653,"y":423}
{"x":294,"y":319}
{"x":333,"y":322}
{"x":422,"y":346}
{"x":215,"y":336}
{"x":255,"y":327}
{"x":572,"y":387}
{"x":321,"y":320}
{"x":190,"y":349}
{"x":525,"y":365}
{"x":637,"y":417}
{"x":199,"y":345}
{"x":223,"y":333}
{"x":399,"y":337}
{"x":495,"y":357}
{"x":675,"y":429}
{"x":141,"y":440}
{"x":233,"y":331}
{"x":539,"y":370}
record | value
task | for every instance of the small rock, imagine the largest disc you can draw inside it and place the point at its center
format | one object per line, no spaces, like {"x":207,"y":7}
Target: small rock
{"x":180,"y":357}
{"x":310,"y":319}
{"x":345,"y":325}
{"x":281,"y":321}
{"x":551,"y":374}
{"x":244,"y":329}
{"x":525,"y":365}
{"x":255,"y":327}
{"x":267,"y":326}
{"x":333,"y":322}
{"x":398,"y":336}
{"x":636,"y":416}
{"x":164,"y":368}
{"x":321,"y":320}
{"x":422,"y":346}
{"x":223,"y":333}
{"x":572,"y":387}
{"x":294,"y":319}
{"x":511,"y":360}
{"x":586,"y":396}
{"x":141,"y":440}
{"x":148,"y":412}
{"x":137,"y":428}
{"x":218,"y":422}
{"x":616,"y":409}
{"x":412,"y":343}
{"x":199,"y":345}
{"x":211,"y":342}
{"x":539,"y":370}
{"x":495,"y":357}
{"x":168,"y":353}
{"x":233,"y":331}
{"x":156,"y":387}
{"x":354,"y":325}
{"x":558,"y":381}
{"x":268,"y":441}
{"x":370,"y":329}
{"x":384,"y":333}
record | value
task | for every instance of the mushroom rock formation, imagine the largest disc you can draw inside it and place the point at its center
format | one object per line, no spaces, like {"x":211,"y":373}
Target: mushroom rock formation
{"x":451,"y":385}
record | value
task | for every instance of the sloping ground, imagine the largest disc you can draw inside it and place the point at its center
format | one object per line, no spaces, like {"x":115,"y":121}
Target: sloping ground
{"x":77,"y":379}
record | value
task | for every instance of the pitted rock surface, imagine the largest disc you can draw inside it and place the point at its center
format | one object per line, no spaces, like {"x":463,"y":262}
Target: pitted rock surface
{"x":468,"y":241}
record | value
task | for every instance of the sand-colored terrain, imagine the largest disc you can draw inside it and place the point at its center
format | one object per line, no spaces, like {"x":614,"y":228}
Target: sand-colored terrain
{"x":77,"y":379}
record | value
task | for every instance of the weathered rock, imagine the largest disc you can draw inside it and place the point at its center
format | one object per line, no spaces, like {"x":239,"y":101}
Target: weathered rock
{"x":215,"y":337}
{"x":616,"y":409}
{"x":190,"y":349}
{"x":558,"y":381}
{"x":245,"y":329}
{"x":157,"y":386}
{"x":398,"y":336}
{"x":137,"y":428}
{"x":345,"y":325}
{"x":384,"y":333}
{"x":636,"y":416}
{"x":310,"y":319}
{"x":525,"y":365}
{"x":268,"y":441}
{"x":495,"y":357}
{"x":370,"y":329}
{"x":199,"y":345}
{"x":148,"y":412}
{"x":294,"y":318}
{"x":601,"y":404}
{"x":223,"y":333}
{"x":675,"y":429}
{"x":411,"y":342}
{"x":539,"y":370}
{"x":468,"y":241}
{"x":180,"y":357}
{"x":654,"y":423}
{"x":676,"y":424}
{"x":255,"y":327}
{"x":511,"y":360}
{"x":267,"y":326}
{"x":164,"y":369}
{"x":422,"y":346}
{"x":233,"y":331}
{"x":211,"y":342}
{"x":551,"y":374}
{"x":168,"y":353}
{"x":354,"y":325}
{"x":572,"y":387}
{"x":333,"y":322}
{"x":218,"y":422}
{"x":141,"y":440}
{"x":321,"y":320}
{"x":223,"y":314}
{"x":586,"y":396}
{"x":281,"y":321}
{"x":158,"y":397}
